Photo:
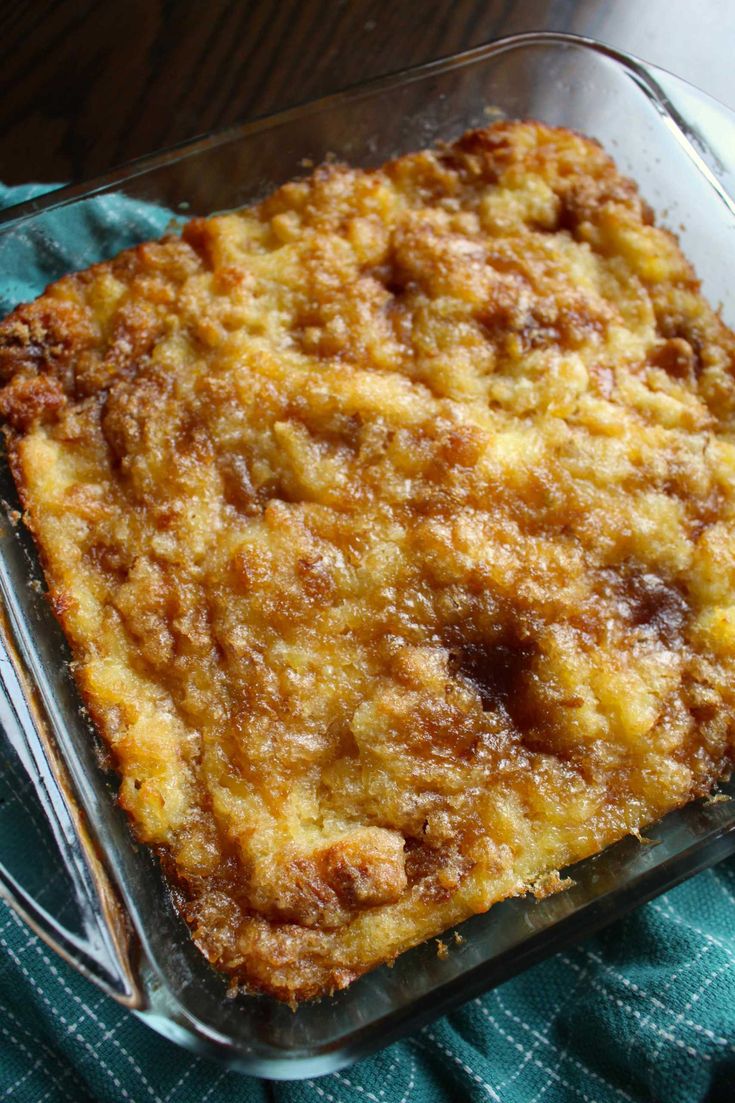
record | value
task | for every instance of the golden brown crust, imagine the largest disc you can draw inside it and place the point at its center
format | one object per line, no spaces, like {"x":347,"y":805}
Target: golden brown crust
{"x":391,"y":524}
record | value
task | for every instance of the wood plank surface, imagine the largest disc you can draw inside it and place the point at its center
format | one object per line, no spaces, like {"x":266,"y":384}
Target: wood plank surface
{"x":86,"y":85}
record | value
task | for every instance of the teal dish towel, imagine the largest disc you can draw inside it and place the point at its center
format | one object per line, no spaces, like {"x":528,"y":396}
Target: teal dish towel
{"x":644,"y":1011}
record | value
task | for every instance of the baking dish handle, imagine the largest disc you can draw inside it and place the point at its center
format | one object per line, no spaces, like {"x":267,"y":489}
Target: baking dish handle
{"x":99,"y":948}
{"x":89,"y":955}
{"x":708,"y":124}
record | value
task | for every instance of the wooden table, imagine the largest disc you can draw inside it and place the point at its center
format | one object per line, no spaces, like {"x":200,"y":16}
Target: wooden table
{"x":86,"y":85}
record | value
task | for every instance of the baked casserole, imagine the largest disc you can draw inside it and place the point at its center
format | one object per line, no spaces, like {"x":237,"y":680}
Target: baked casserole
{"x":390,"y":522}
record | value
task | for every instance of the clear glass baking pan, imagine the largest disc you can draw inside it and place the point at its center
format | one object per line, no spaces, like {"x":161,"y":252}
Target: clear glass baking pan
{"x":92,"y":893}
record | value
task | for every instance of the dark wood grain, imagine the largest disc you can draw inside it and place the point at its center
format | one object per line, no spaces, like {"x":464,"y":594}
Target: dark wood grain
{"x":86,"y":85}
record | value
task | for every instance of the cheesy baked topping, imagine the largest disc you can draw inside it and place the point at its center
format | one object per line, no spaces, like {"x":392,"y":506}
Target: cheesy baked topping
{"x":391,"y":524}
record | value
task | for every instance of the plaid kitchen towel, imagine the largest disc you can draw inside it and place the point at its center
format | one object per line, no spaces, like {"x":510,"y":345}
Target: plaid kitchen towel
{"x":643,"y":1011}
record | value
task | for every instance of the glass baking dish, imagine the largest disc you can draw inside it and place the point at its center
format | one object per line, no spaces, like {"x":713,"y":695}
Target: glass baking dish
{"x":95,"y":896}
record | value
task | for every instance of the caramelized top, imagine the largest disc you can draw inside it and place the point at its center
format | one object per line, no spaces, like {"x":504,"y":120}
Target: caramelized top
{"x":391,"y":524}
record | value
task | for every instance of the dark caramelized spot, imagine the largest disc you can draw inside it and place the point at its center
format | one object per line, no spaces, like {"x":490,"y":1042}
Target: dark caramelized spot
{"x":438,"y":869}
{"x":658,"y":606}
{"x":366,"y":869}
{"x":704,"y":714}
{"x":26,"y":399}
{"x":677,"y":358}
{"x":421,"y":860}
{"x":545,"y":324}
{"x":197,"y":234}
{"x":391,"y":276}
{"x":644,"y":600}
{"x":41,"y":337}
{"x":315,"y":577}
{"x":237,"y":485}
{"x":109,"y":559}
{"x":685,"y":342}
{"x":499,"y":315}
{"x":501,"y":672}
{"x":480,"y":153}
{"x":583,"y":197}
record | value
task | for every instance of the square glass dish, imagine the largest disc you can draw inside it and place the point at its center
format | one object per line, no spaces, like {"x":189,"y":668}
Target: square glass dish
{"x":99,"y":899}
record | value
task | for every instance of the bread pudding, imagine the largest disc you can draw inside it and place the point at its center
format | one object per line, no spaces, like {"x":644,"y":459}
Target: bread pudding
{"x":391,"y":524}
